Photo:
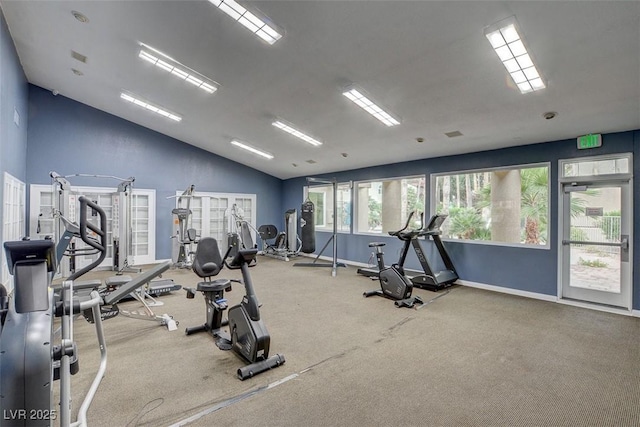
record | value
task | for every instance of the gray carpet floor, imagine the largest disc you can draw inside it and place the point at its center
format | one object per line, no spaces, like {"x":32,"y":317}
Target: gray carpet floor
{"x":469,"y":358}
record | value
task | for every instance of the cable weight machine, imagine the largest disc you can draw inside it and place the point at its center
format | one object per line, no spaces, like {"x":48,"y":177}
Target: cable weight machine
{"x":65,"y":205}
{"x":184,"y":236}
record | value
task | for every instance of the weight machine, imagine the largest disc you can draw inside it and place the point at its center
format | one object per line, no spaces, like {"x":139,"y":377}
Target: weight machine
{"x":334,"y":236}
{"x":65,"y":205}
{"x":287,"y":244}
{"x":184,"y":236}
{"x":240,"y":236}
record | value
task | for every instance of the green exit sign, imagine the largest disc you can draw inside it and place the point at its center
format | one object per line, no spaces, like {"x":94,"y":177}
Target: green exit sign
{"x":589,"y":141}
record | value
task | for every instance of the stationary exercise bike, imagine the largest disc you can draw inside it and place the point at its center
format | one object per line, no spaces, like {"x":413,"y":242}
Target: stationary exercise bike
{"x":248,"y":336}
{"x":393,"y":283}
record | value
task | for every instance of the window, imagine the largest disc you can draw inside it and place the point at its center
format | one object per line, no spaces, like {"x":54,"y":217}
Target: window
{"x":385,"y":205}
{"x":325,"y":209}
{"x":509,"y":205}
{"x":13,"y":214}
{"x":318,"y":198}
{"x":211,"y":213}
{"x":596,"y":166}
{"x":143,"y":226}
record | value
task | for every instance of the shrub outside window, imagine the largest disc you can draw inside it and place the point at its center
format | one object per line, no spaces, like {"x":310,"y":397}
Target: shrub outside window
{"x":507,"y":205}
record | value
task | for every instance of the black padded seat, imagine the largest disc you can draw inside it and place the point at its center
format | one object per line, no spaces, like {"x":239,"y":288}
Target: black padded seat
{"x":376,"y":244}
{"x":214,"y":286}
{"x":207,"y":261}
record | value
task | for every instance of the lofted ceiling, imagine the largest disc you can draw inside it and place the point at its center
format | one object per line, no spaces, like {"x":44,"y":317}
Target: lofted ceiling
{"x":427,"y":62}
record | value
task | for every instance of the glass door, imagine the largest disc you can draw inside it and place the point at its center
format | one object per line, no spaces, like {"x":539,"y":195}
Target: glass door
{"x":596,"y":236}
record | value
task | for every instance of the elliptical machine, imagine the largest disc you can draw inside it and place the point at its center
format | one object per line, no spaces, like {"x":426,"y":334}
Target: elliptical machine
{"x":29,"y":360}
{"x":248,"y":336}
{"x":393,"y":283}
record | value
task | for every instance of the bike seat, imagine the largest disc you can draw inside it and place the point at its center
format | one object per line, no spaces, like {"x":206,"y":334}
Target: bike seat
{"x":376,"y":244}
{"x":214,"y":286}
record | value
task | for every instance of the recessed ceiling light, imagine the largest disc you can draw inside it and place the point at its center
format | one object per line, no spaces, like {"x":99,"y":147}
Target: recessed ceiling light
{"x":249,"y":20}
{"x":79,"y":16}
{"x":359,"y":98}
{"x":306,"y":138}
{"x":173,"y":67}
{"x":311,"y":161}
{"x":151,"y":107}
{"x":509,"y":45}
{"x":77,"y":72}
{"x":251,"y":149}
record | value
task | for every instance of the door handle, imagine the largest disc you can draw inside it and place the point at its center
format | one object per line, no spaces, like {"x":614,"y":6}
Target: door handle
{"x":624,"y":242}
{"x":624,"y":246}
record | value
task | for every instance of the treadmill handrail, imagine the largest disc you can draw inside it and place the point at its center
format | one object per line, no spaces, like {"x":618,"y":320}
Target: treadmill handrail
{"x":406,"y":225}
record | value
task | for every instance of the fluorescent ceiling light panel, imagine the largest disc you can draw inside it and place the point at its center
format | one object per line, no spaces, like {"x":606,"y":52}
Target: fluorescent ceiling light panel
{"x":176,"y":69}
{"x":366,"y":104}
{"x":153,"y":108}
{"x":251,"y":149}
{"x":306,"y":138}
{"x":509,"y":46}
{"x":249,"y":20}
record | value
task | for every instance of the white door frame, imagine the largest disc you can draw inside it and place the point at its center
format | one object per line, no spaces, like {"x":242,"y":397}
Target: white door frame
{"x":624,"y":179}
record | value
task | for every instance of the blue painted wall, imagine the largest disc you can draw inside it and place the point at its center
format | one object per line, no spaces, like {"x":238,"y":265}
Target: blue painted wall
{"x":69,"y":137}
{"x":13,"y":97}
{"x":521,"y":268}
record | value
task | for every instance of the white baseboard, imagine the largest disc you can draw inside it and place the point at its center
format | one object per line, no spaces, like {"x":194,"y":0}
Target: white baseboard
{"x":550,"y":298}
{"x":509,"y":291}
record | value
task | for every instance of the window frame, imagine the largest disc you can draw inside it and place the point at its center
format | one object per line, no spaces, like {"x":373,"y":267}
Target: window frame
{"x":325,"y":228}
{"x":433,"y":202}
{"x":356,"y":203}
{"x":317,"y":225}
{"x":13,"y":219}
{"x":228,"y":222}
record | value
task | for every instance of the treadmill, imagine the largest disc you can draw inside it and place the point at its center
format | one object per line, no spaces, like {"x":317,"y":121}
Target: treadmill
{"x":433,"y":280}
{"x":428,"y":278}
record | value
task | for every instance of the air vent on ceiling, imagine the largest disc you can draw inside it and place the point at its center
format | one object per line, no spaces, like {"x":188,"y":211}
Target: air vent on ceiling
{"x":453,"y":134}
{"x":78,"y":57}
{"x":311,"y":162}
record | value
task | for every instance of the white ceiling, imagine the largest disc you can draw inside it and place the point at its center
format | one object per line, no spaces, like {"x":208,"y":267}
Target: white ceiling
{"x":428,"y":62}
